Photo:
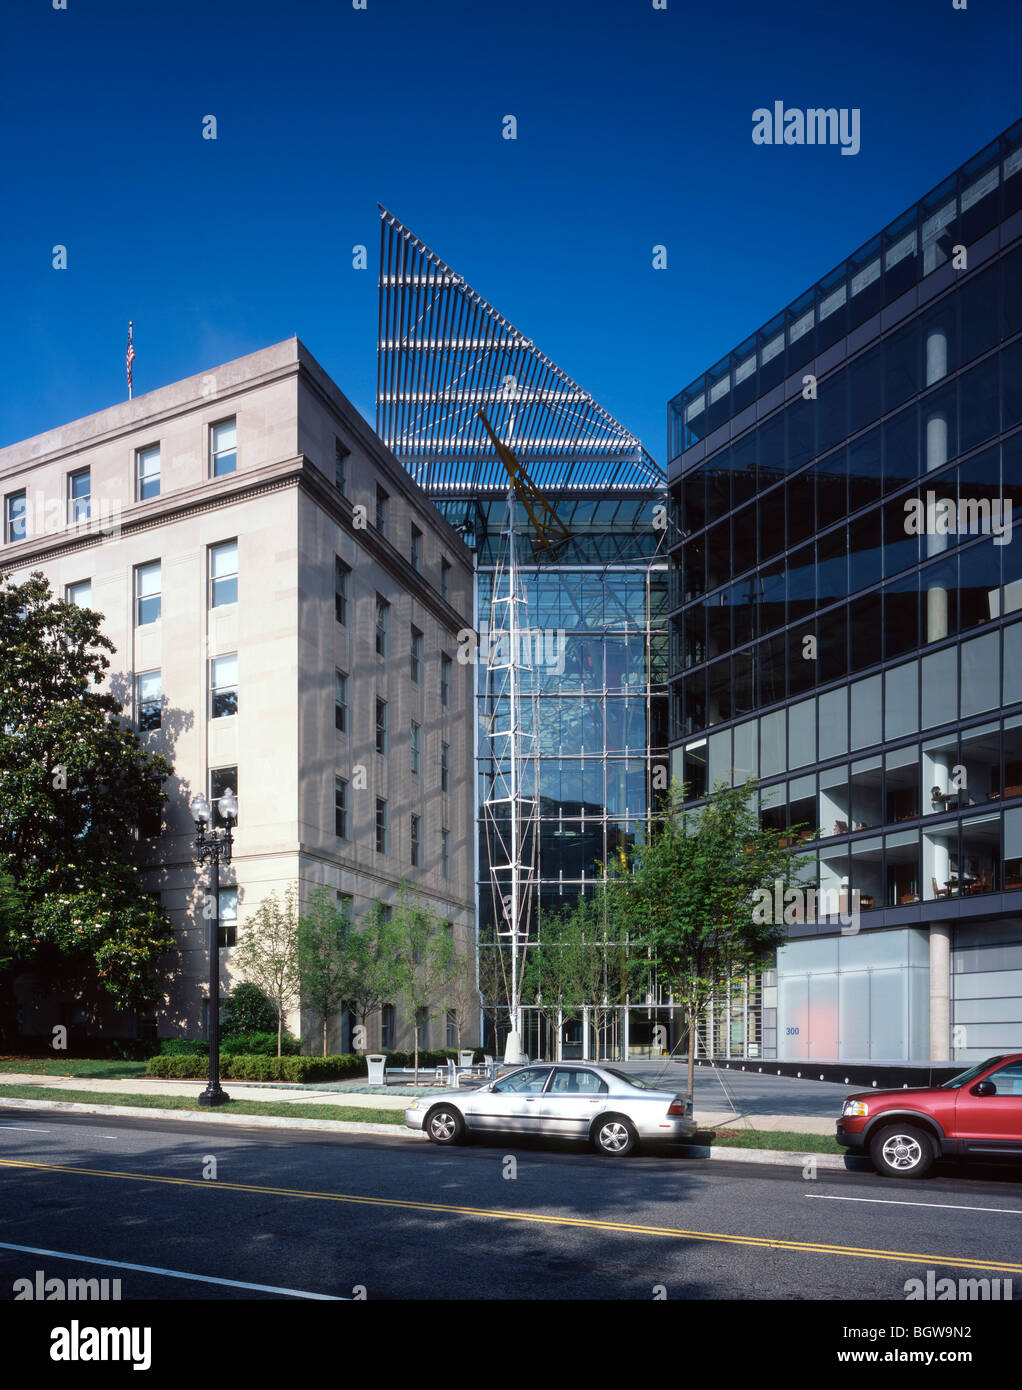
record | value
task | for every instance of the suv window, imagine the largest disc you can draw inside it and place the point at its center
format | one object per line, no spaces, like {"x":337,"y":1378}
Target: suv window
{"x":572,"y":1081}
{"x":1008,"y":1080}
{"x":531,"y":1079}
{"x":963,"y":1078}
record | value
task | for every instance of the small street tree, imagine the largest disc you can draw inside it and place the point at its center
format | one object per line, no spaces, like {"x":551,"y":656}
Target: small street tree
{"x":426,"y":960}
{"x":493,"y":986}
{"x":372,"y":969}
{"x":581,"y":957}
{"x":694,"y":890}
{"x":463,"y":996}
{"x":267,"y":953}
{"x":324,"y":960}
{"x":76,"y":787}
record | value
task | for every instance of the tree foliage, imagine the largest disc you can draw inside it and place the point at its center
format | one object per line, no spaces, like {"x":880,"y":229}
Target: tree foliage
{"x":692,"y":894}
{"x":583,"y":957}
{"x":267,"y":953}
{"x":249,"y":1010}
{"x":372,"y":968}
{"x":11,"y":910}
{"x":425,"y":957}
{"x":324,"y":961}
{"x":75,"y":786}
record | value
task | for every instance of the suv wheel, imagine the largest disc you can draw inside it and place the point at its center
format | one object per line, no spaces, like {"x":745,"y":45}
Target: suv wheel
{"x":902,"y":1151}
{"x":444,"y":1125}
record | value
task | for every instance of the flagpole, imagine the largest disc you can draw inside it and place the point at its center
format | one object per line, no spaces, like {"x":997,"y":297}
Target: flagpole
{"x":130,"y":354}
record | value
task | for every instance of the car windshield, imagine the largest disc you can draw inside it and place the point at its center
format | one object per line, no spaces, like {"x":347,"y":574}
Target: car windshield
{"x":965,"y":1077}
{"x":631,"y":1080}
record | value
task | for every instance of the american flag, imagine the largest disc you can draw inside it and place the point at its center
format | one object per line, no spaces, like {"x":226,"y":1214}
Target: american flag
{"x":130,"y":356}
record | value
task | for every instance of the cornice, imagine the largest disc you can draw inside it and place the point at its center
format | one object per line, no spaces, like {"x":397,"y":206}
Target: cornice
{"x":215,"y":494}
{"x":150,"y":422}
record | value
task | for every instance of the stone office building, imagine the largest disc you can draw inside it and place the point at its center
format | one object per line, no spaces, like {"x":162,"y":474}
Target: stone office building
{"x":285,"y":603}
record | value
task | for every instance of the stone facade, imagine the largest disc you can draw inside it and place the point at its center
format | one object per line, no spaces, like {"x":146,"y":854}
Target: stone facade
{"x":283,"y":506}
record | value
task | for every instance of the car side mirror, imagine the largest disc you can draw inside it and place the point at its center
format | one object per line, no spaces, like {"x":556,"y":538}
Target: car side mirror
{"x":984,"y":1088}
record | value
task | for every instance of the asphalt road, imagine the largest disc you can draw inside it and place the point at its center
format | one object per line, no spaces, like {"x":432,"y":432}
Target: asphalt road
{"x":295,"y":1215}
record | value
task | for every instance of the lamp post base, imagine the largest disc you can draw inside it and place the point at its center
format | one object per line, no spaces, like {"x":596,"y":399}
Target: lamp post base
{"x":211,"y":1097}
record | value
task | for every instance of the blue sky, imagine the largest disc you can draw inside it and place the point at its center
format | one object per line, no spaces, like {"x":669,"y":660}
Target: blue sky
{"x":634,"y":129}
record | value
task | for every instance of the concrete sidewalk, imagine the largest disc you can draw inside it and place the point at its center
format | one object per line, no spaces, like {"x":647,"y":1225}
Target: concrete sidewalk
{"x":376,"y":1099}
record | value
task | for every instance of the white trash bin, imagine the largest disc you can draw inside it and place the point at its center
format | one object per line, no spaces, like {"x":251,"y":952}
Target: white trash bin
{"x":377,"y":1063}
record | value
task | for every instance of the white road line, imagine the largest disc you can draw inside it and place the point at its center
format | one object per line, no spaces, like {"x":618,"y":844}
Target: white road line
{"x":173,"y":1273}
{"x":894,"y":1202}
{"x":26,"y":1129}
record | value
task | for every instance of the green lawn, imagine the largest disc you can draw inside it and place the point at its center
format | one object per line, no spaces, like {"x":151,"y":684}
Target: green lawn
{"x":72,"y":1066}
{"x":233,"y":1107}
{"x":770,"y":1139}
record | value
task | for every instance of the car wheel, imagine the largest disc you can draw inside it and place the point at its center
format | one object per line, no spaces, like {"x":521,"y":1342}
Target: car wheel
{"x":612,"y":1134}
{"x":902,"y":1151}
{"x":444,"y":1125}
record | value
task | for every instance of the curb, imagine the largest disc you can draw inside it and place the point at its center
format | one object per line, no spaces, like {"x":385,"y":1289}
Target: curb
{"x":789,"y":1158}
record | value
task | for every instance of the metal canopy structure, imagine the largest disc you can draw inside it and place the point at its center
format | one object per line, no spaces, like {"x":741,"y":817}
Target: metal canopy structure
{"x":444,"y":352}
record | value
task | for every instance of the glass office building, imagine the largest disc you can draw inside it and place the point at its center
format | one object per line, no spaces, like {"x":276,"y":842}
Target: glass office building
{"x":846,"y":622}
{"x":599,"y":599}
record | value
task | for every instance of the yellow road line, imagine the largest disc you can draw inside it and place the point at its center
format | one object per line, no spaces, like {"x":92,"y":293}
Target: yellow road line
{"x":584,"y":1223}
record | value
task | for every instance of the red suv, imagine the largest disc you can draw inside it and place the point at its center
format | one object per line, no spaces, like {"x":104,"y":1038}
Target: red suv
{"x":904,"y":1132}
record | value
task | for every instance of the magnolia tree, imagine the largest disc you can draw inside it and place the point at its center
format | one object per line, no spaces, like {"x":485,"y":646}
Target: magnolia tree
{"x":696,"y":892}
{"x":75,"y":787}
{"x":11,"y":909}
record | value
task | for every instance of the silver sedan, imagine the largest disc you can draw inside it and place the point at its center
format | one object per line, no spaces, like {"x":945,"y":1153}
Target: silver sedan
{"x":607,"y":1108}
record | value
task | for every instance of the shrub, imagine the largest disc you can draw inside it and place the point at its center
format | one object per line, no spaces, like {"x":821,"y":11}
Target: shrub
{"x":184,"y":1047}
{"x":132,"y":1049}
{"x":184,"y":1067}
{"x":249,"y":1009}
{"x":254,"y":1067}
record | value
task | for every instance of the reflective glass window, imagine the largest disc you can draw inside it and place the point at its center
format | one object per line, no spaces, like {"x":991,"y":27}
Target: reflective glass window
{"x":865,"y":470}
{"x":865,"y":631}
{"x":865,"y":401}
{"x":979,"y":404}
{"x":832,"y":644}
{"x":901,"y":366}
{"x":979,"y":577}
{"x":901,"y":615}
{"x":979,"y":312}
{"x":901,"y":700}
{"x":831,"y":478}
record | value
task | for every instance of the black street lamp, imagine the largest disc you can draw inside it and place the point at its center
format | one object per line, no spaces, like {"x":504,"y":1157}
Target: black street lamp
{"x":214,"y":846}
